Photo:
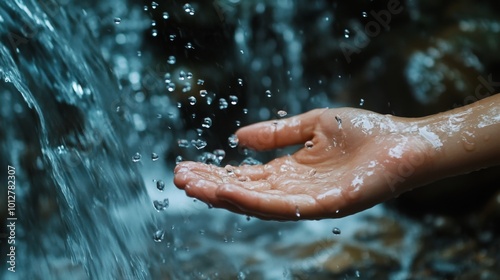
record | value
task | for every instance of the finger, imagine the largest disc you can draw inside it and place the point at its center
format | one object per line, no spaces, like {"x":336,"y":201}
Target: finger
{"x":252,"y":172}
{"x":186,"y":170}
{"x":270,"y":203}
{"x":192,"y":178}
{"x":183,"y":174}
{"x":205,"y":191}
{"x":280,"y":133}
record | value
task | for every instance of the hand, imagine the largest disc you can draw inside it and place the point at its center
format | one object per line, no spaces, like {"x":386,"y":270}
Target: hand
{"x":350,"y":160}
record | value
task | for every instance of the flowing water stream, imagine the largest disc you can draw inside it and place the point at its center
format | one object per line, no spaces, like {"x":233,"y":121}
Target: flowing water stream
{"x":93,"y":119}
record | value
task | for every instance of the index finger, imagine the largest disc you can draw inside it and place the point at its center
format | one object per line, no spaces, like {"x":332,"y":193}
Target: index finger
{"x":280,"y":133}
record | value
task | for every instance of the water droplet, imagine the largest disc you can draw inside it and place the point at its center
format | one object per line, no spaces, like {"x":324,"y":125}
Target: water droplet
{"x":203,"y":93}
{"x":229,"y":169}
{"x":209,"y":158}
{"x":241,"y":275}
{"x":250,"y":161}
{"x":199,"y":143}
{"x":339,"y":121}
{"x":245,"y":111}
{"x":61,"y":149}
{"x":154,"y":156}
{"x":361,"y":102}
{"x":233,"y":141}
{"x":220,"y":154}
{"x":248,"y":218}
{"x":172,"y":37}
{"x":187,"y":87}
{"x":154,"y":32}
{"x":245,"y":151}
{"x":243,"y":179}
{"x":238,"y":123}
{"x":189,"y":46}
{"x":189,"y":75}
{"x":240,"y":82}
{"x":145,"y":8}
{"x":309,"y":144}
{"x":136,"y":157}
{"x":154,"y":5}
{"x":297,"y":211}
{"x":161,"y":205}
{"x":165,"y":15}
{"x":468,"y":144}
{"x":171,"y":59}
{"x":207,"y":122}
{"x":167,"y":77}
{"x":336,"y":231}
{"x":268,"y":93}
{"x":160,"y":185}
{"x":364,"y":14}
{"x":347,"y":33}
{"x":223,"y":104}
{"x":200,"y":82}
{"x":153,"y":23}
{"x":159,"y":235}
{"x":233,"y":99}
{"x":202,"y":232}
{"x":117,"y":20}
{"x":182,"y":75}
{"x":312,"y":172}
{"x":284,"y":168}
{"x":282,"y":113}
{"x":171,"y":87}
{"x":178,"y":159}
{"x":188,"y":9}
{"x":183,"y":143}
{"x":192,"y":100}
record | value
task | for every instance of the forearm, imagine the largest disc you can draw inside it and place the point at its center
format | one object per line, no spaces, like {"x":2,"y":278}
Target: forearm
{"x":467,"y":138}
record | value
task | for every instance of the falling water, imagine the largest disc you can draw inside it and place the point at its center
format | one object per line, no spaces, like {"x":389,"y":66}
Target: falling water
{"x":77,"y":190}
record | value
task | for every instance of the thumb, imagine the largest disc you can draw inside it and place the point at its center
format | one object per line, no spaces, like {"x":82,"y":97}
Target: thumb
{"x":280,"y":133}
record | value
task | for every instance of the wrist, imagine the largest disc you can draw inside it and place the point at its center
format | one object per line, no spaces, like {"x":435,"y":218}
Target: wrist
{"x":427,"y":151}
{"x":464,"y":139}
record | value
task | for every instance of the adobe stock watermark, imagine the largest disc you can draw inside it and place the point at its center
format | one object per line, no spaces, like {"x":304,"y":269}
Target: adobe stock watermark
{"x":17,"y":39}
{"x":372,"y":29}
{"x":404,"y":170}
{"x":407,"y":167}
{"x":485,"y":88}
{"x":29,"y":30}
{"x":222,"y":8}
{"x":11,"y":219}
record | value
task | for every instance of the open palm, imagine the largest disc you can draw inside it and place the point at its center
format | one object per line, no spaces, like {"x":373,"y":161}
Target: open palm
{"x":351,"y":160}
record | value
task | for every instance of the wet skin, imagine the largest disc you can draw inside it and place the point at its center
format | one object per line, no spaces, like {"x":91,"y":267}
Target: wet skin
{"x":351,"y":160}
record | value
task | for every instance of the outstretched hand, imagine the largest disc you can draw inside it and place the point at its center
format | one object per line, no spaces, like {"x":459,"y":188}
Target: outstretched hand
{"x":350,"y":160}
